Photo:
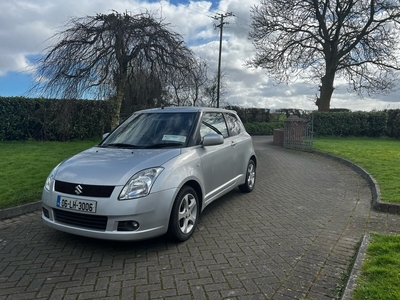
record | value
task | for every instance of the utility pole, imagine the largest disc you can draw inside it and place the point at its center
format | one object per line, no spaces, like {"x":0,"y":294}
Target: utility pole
{"x":221,"y":25}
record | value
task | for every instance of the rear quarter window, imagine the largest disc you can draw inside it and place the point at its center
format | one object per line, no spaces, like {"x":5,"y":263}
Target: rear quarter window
{"x":234,"y":125}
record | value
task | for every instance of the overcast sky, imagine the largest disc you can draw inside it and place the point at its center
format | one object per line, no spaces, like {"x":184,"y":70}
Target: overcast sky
{"x":25,"y":27}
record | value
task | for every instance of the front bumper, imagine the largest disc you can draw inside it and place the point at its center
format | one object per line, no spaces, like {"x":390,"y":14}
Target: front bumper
{"x":151,"y":213}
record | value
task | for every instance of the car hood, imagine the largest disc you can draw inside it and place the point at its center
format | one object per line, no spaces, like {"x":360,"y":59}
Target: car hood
{"x":111,"y":166}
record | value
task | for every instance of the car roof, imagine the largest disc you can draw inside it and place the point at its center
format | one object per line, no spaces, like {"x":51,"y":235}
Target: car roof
{"x":175,"y":109}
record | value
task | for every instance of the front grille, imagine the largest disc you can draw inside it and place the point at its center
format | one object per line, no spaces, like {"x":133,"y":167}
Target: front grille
{"x":87,"y":190}
{"x":81,"y":220}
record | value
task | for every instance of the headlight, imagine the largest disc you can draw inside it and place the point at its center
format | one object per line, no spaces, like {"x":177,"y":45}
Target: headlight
{"x":50,"y":179}
{"x":140,"y":184}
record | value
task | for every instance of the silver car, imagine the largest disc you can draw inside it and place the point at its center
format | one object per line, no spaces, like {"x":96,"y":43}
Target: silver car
{"x":154,"y":174}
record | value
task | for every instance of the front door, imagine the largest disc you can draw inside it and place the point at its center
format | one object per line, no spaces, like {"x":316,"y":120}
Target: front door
{"x":218,"y":162}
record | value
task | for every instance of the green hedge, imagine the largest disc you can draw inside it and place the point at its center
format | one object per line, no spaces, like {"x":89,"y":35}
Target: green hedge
{"x":262,"y":128}
{"x":341,"y":123}
{"x":251,"y":115}
{"x":393,"y":123}
{"x":50,"y":119}
{"x":372,"y":124}
{"x":62,"y":120}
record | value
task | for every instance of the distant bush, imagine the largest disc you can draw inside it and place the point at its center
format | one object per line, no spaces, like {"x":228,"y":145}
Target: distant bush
{"x":262,"y":128}
{"x":339,"y":122}
{"x":50,"y":119}
{"x":287,"y":112}
{"x":251,"y":115}
{"x":372,"y":124}
{"x":393,"y":123}
{"x":339,"y":110}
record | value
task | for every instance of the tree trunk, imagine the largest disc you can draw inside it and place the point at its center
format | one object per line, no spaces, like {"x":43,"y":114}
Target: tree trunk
{"x":326,"y":91}
{"x":121,"y":84}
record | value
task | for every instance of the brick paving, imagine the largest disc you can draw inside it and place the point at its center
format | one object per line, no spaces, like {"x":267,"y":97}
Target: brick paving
{"x":293,"y":237}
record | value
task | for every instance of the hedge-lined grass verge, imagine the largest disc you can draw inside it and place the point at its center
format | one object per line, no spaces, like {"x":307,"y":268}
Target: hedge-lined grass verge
{"x":52,"y":120}
{"x":25,"y":166}
{"x":378,"y":156}
{"x":379,"y":278}
{"x":341,"y":123}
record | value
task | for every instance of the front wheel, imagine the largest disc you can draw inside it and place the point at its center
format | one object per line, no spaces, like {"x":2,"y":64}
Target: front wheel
{"x":184,"y":215}
{"x":248,"y":186}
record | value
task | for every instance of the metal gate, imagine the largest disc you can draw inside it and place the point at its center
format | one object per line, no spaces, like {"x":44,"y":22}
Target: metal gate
{"x":298,"y":133}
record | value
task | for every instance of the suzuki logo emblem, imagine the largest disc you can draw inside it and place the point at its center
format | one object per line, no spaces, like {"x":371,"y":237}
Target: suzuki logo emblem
{"x":78,"y":189}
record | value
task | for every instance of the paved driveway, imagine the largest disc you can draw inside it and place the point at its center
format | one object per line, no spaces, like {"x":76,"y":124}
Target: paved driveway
{"x":293,"y":237}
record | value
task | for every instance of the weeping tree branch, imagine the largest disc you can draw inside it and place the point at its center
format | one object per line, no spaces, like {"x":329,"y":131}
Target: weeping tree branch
{"x":95,"y":55}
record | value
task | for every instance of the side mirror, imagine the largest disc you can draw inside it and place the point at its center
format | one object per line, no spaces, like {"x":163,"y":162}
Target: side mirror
{"x":212,"y":139}
{"x":106,"y":135}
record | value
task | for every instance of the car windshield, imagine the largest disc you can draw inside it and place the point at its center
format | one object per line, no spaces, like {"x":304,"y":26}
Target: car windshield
{"x":152,"y":130}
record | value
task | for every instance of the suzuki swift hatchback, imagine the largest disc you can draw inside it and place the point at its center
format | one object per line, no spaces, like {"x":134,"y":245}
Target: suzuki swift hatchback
{"x":154,"y":174}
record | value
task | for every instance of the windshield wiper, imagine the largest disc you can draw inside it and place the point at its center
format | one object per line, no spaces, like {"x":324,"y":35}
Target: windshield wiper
{"x":164,"y":145}
{"x":211,"y":127}
{"x":120,"y":145}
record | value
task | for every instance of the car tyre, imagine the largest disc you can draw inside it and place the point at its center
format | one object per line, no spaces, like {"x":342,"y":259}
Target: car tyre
{"x":184,"y":215}
{"x":248,"y":186}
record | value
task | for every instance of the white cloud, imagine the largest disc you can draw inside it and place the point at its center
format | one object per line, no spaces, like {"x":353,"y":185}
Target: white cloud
{"x":15,"y":62}
{"x":26,"y":26}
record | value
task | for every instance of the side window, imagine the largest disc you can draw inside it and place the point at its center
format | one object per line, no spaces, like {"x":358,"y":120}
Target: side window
{"x":213,"y":123}
{"x":233,"y":124}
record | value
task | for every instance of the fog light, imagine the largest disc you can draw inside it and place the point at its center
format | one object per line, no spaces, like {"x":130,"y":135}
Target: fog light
{"x":128,"y":226}
{"x":46,"y":212}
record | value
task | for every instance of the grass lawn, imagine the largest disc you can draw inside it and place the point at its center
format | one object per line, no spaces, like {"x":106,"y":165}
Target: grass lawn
{"x":378,"y":156}
{"x":25,"y":166}
{"x":380,"y":275}
{"x":380,"y":272}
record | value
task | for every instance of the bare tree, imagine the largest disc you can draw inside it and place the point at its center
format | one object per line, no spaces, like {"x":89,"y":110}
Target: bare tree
{"x":144,"y":89}
{"x":323,"y":39}
{"x":198,"y":81}
{"x":210,"y":90}
{"x":185,"y":86}
{"x":95,"y":55}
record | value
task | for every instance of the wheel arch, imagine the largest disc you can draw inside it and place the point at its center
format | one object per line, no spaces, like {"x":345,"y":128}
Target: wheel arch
{"x":177,"y":231}
{"x":196,"y":186}
{"x":254,"y":158}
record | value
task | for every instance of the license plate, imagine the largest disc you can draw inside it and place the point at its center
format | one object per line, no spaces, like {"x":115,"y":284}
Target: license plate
{"x":75,"y":204}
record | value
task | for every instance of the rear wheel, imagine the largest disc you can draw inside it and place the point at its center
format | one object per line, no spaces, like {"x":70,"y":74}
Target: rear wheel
{"x":184,"y":215}
{"x":248,"y":186}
